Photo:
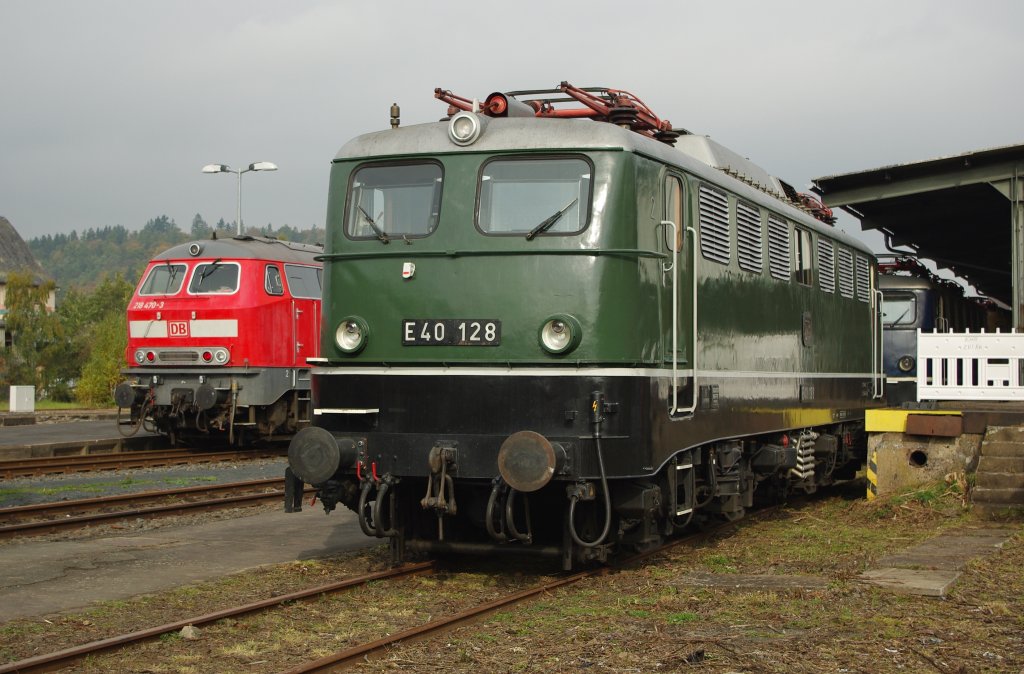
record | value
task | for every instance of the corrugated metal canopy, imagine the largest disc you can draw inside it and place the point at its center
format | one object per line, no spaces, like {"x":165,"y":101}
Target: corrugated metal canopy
{"x":956,"y":211}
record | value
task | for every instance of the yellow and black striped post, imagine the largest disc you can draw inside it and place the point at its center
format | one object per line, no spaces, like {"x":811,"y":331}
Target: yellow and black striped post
{"x":872,"y":474}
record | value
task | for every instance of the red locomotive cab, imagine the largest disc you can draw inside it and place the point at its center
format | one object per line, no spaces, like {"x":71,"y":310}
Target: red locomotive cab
{"x":218,"y":337}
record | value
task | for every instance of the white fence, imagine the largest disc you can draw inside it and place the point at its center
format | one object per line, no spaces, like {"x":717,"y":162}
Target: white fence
{"x":970,"y":366}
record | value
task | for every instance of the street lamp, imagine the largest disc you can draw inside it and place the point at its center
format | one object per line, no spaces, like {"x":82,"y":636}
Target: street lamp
{"x":224,"y":168}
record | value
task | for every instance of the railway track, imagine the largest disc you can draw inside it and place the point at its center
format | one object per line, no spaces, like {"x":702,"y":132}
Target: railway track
{"x":51,"y":661}
{"x":63,"y":465}
{"x":372,"y":649}
{"x":354,"y":653}
{"x":44,"y":518}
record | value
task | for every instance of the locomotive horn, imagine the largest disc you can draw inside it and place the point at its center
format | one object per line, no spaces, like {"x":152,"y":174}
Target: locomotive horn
{"x":503,"y":105}
{"x":527,"y":460}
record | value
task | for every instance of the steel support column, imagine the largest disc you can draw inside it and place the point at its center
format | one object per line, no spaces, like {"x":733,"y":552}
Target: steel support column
{"x":1013,"y":189}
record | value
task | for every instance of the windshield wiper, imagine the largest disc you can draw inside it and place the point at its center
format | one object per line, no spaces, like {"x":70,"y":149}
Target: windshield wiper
{"x":209,"y":270}
{"x":900,"y":318}
{"x":377,"y":230}
{"x":549,"y":223}
{"x":172,"y":273}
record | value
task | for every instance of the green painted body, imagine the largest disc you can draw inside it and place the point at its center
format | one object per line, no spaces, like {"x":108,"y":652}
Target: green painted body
{"x":694,"y":380}
{"x":609,"y":277}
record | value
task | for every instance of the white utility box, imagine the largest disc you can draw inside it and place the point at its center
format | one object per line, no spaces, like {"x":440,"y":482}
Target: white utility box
{"x":23,"y":399}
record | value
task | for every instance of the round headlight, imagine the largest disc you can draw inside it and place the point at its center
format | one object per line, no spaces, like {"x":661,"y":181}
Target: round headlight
{"x":220,"y":356}
{"x":351,"y":334}
{"x":560,"y":334}
{"x":905,"y":364}
{"x":140,"y":356}
{"x":464,"y":128}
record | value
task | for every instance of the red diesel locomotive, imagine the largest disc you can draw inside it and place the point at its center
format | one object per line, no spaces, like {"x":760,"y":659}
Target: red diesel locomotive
{"x":218,"y":336}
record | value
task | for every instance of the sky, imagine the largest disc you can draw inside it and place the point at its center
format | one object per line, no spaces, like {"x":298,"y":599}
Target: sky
{"x":109,"y":109}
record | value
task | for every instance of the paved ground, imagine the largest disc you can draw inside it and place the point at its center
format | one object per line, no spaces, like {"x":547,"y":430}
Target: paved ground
{"x":37,"y":578}
{"x":931,"y":568}
{"x":37,"y":439}
{"x":41,"y":577}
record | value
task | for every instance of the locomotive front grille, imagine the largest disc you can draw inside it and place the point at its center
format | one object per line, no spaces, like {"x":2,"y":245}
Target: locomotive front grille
{"x":178,"y":356}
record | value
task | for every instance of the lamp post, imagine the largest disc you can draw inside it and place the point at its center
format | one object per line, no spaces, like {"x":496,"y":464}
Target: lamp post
{"x":224,"y":168}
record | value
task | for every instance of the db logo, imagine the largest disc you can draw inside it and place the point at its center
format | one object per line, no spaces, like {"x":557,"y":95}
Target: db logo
{"x":177,"y":328}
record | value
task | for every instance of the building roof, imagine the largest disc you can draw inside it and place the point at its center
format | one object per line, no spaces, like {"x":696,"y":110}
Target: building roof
{"x":953,"y":210}
{"x":15,"y":255}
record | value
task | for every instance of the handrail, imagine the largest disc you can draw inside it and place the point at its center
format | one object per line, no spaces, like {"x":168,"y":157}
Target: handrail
{"x":409,"y":251}
{"x":877,"y":350}
{"x":693,"y":355}
{"x":673,"y":267}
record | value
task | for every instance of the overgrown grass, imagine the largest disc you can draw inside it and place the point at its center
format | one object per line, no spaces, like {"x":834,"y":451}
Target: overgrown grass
{"x":44,"y":405}
{"x":7,"y":493}
{"x":640,"y":619}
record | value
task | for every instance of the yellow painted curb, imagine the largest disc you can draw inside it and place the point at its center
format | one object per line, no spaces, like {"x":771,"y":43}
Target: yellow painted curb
{"x":895,"y":421}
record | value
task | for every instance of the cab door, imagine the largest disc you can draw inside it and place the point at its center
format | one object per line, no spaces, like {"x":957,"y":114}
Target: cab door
{"x":304,"y":287}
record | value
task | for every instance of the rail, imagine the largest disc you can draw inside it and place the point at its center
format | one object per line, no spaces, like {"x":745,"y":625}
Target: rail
{"x":82,"y":463}
{"x":970,"y":365}
{"x":44,"y":518}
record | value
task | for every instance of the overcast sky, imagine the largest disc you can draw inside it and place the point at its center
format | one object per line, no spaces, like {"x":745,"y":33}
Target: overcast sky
{"x":110,"y":109}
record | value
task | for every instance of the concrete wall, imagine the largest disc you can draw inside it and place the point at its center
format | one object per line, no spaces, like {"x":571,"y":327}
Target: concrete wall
{"x":909,"y":460}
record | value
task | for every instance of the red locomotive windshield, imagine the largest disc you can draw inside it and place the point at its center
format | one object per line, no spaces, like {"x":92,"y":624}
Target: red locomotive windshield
{"x":214,"y":277}
{"x":164,"y":279}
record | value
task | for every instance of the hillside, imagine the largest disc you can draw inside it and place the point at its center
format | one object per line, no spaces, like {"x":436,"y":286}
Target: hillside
{"x":83,"y":260}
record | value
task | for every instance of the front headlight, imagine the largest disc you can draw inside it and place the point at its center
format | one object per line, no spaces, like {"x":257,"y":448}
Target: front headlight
{"x":464,"y":128}
{"x":140,"y":356}
{"x":351,"y":334}
{"x":905,"y":364}
{"x":560,"y":334}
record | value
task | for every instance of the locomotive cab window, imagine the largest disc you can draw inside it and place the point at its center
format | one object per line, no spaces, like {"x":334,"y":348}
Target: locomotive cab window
{"x":304,"y":282}
{"x":214,"y":278}
{"x":394,"y":201}
{"x":802,"y":272}
{"x":899,"y":310}
{"x":673,"y":212}
{"x":165,"y":279}
{"x":272,"y":282}
{"x":534,"y":197}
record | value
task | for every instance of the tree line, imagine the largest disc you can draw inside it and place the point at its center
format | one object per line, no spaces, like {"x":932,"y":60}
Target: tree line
{"x":77,"y":351}
{"x":81,"y":260}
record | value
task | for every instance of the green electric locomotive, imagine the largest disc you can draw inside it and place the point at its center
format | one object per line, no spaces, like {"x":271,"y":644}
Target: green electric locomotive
{"x":555,"y":325}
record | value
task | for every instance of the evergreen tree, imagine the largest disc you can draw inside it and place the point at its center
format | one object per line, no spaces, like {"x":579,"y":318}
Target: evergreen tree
{"x":200,"y":230}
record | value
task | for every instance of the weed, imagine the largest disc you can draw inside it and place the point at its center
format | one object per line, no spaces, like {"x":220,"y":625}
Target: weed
{"x":719,"y":564}
{"x":682,"y":618}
